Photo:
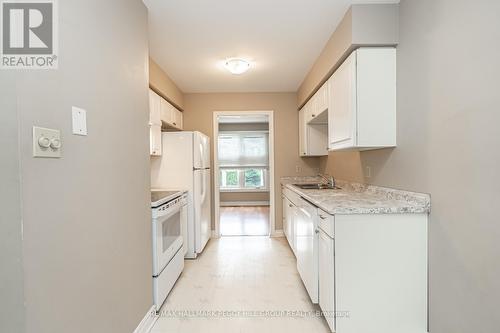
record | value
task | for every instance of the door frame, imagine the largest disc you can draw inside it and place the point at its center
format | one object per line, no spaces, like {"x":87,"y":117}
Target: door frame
{"x":272,"y":203}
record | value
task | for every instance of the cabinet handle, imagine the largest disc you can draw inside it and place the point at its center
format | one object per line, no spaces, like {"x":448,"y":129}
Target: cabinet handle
{"x":313,"y":115}
{"x":175,"y":124}
{"x":322,"y":217}
{"x":316,"y":231}
{"x":290,"y":206}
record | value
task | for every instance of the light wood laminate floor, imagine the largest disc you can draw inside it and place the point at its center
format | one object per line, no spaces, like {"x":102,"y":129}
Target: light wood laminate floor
{"x":253,"y":274}
{"x":244,"y":221}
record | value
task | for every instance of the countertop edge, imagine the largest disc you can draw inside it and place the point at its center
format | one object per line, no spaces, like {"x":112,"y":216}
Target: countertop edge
{"x":410,"y":208}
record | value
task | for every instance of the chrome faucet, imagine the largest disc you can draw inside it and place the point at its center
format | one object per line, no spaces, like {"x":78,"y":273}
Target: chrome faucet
{"x":329,"y":180}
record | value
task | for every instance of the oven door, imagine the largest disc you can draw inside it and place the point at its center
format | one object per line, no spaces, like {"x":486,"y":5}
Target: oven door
{"x":167,"y":238}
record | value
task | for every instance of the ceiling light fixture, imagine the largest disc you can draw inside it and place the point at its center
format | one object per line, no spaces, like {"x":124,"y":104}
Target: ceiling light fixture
{"x":237,"y":66}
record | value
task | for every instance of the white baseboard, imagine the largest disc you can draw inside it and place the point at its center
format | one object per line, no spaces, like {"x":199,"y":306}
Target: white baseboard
{"x":278,"y":233}
{"x":147,"y":322}
{"x":243,"y":203}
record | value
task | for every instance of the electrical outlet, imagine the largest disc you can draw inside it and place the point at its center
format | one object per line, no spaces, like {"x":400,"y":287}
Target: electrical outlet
{"x":298,"y":169}
{"x":368,"y":172}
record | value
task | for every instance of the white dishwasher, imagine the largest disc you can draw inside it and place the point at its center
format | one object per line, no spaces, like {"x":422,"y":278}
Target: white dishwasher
{"x":306,"y":235}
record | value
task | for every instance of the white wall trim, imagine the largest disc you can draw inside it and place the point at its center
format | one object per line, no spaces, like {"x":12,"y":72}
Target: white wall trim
{"x":244,"y":203}
{"x":147,"y":322}
{"x":272,"y":214}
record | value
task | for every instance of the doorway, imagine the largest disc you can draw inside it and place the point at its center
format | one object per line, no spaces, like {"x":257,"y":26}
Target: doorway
{"x":244,"y":173}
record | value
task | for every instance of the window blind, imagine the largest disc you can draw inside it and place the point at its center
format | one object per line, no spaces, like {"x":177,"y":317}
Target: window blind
{"x":243,"y":149}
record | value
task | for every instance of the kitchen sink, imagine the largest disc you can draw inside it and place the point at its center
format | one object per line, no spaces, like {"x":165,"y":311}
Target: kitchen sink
{"x":315,"y":186}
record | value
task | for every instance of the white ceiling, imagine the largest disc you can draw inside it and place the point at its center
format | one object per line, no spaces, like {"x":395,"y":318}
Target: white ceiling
{"x":282,"y":38}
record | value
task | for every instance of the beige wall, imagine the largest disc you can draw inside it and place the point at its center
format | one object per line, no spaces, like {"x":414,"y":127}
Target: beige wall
{"x":362,"y":25}
{"x":85,"y":217}
{"x":12,"y":311}
{"x":160,"y":82}
{"x":198,"y":116}
{"x":448,"y":146}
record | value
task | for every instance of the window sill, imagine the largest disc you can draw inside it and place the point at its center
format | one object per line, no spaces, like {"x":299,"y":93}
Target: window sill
{"x":240,"y":190}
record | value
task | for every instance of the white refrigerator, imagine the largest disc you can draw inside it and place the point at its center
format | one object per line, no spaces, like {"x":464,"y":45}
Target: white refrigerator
{"x":185,"y":165}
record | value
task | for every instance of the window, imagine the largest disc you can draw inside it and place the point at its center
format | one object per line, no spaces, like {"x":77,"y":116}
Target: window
{"x":243,"y":161}
{"x":254,"y":178}
{"x":230,"y":178}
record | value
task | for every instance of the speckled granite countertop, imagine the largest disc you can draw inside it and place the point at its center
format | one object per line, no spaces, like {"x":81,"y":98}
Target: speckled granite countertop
{"x":354,"y":198}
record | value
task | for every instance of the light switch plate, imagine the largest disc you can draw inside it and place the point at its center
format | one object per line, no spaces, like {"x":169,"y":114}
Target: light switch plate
{"x":79,"y":121}
{"x":53,"y":139}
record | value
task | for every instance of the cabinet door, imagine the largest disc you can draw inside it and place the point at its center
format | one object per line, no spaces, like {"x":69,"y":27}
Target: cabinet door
{"x":321,"y":101}
{"x":311,"y":108}
{"x":177,"y":122}
{"x":167,"y":112}
{"x":288,"y":222}
{"x":154,"y":108}
{"x":180,"y":120}
{"x":155,"y":147}
{"x":342,"y":110}
{"x":327,"y":278}
{"x":302,"y":132}
{"x":285,"y":213}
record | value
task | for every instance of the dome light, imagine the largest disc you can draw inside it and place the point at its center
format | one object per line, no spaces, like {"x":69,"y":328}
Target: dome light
{"x":237,"y":66}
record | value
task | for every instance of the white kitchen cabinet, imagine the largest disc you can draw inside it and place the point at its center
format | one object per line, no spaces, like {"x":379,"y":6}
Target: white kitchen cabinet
{"x":178,"y":119}
{"x":154,"y":108}
{"x":351,"y":264}
{"x":288,"y":222}
{"x":313,"y":138}
{"x":162,"y":112}
{"x":381,"y":273}
{"x":319,"y":106}
{"x":302,"y":132}
{"x":362,"y":106}
{"x":326,"y":276}
{"x":155,"y":147}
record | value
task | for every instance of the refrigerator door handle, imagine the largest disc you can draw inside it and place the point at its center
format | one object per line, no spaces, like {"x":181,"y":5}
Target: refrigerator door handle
{"x":203,"y":189}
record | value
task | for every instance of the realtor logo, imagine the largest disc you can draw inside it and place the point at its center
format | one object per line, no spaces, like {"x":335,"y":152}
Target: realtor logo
{"x":29,"y":34}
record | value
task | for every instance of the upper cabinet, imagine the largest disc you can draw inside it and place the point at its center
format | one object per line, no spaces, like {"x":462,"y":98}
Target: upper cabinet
{"x":319,"y":105}
{"x":161,"y":111}
{"x":313,"y":124}
{"x":154,"y":108}
{"x":362,"y":101}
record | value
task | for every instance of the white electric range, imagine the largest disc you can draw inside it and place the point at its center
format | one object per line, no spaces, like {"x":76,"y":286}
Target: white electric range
{"x":169,"y":218}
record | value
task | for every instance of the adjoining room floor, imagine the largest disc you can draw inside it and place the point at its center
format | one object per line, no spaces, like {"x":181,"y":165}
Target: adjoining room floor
{"x":252,"y":274}
{"x":244,"y":221}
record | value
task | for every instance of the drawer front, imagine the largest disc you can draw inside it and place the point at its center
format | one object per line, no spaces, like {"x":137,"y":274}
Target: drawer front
{"x":326,"y":222}
{"x":292,"y":196}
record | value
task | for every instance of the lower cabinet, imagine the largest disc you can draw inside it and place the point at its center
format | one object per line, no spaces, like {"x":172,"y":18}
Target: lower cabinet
{"x":290,"y":218}
{"x":368,"y":272}
{"x":326,"y":275}
{"x":380,"y":273}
